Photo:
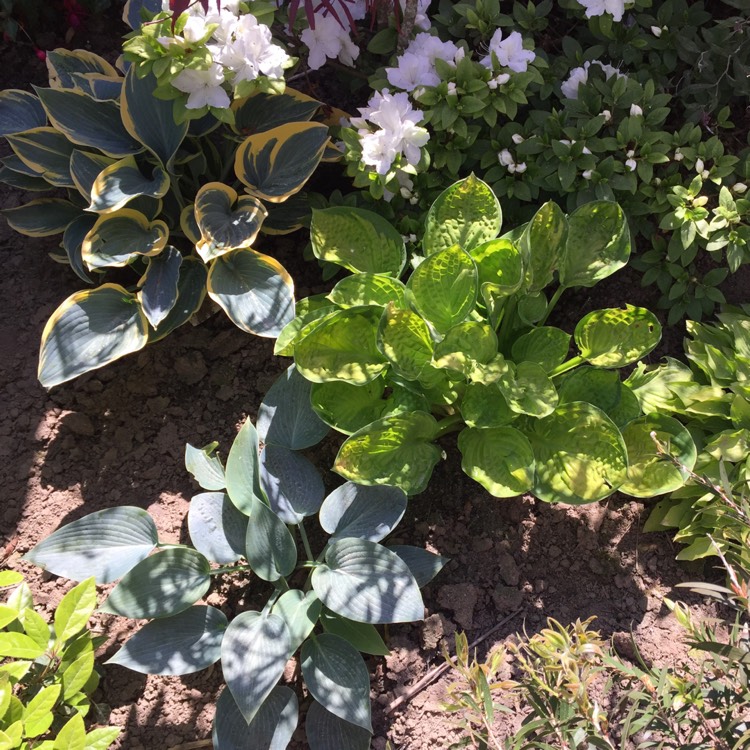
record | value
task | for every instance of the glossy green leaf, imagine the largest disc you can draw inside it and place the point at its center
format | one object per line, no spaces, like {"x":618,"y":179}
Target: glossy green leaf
{"x":77,"y":673}
{"x":119,"y":237}
{"x":404,"y":338}
{"x":464,"y":345}
{"x":242,"y":471}
{"x":484,"y":406}
{"x":47,"y":152}
{"x":74,"y":610}
{"x":191,"y":291}
{"x":546,"y":346}
{"x":423,"y":564}
{"x":269,"y":546}
{"x":543,"y":242}
{"x":38,"y":714}
{"x":217,"y":529}
{"x":159,"y":289}
{"x":363,"y":636}
{"x":122,"y":181}
{"x":42,"y":217}
{"x":19,"y":111}
{"x":300,"y":612}
{"x":368,"y":289}
{"x":72,"y":735}
{"x":529,"y":390}
{"x":465,"y":214}
{"x":19,"y":646}
{"x":326,"y":731}
{"x":291,"y":483}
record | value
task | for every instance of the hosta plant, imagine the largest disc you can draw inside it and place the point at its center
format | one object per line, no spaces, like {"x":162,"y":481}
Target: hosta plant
{"x":462,"y":346}
{"x":162,"y":213}
{"x":47,"y":673}
{"x":322,"y":600}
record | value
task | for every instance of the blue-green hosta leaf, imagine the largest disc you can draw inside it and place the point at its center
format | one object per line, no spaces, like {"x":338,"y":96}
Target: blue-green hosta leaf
{"x":47,"y":152}
{"x":85,"y":167}
{"x":466,"y":214}
{"x":424,"y":565}
{"x":217,"y":529}
{"x":269,"y":546}
{"x":42,"y":217}
{"x":286,"y":417}
{"x":117,"y":238}
{"x":342,"y":347}
{"x":122,"y":181}
{"x":395,"y":450}
{"x":62,"y":63}
{"x":149,"y":119}
{"x":88,"y":122}
{"x":205,"y":466}
{"x":90,"y":329}
{"x":580,"y":454}
{"x":464,"y":345}
{"x":598,"y":244}
{"x":616,"y":337}
{"x":337,"y":677}
{"x":529,"y":390}
{"x":183,"y":644}
{"x":326,"y":731}
{"x":352,"y":510}
{"x":542,"y":244}
{"x":254,"y":290}
{"x":158,"y":293}
{"x":254,"y":652}
{"x":19,"y":111}
{"x":445,"y":287}
{"x":72,"y":242}
{"x":98,"y":86}
{"x":404,"y":338}
{"x":105,"y":544}
{"x":484,"y":406}
{"x":225,"y":220}
{"x":271,"y":728}
{"x":262,"y":111}
{"x":291,"y":483}
{"x":242,"y":472}
{"x":546,"y":346}
{"x":500,"y":459}
{"x":363,"y":636}
{"x":191,"y":290}
{"x":359,"y":240}
{"x":276,"y":163}
{"x":366,"y":582}
{"x":300,"y":612}
{"x":368,"y":289}
{"x":648,"y":473}
{"x":32,"y":183}
{"x":162,"y":585}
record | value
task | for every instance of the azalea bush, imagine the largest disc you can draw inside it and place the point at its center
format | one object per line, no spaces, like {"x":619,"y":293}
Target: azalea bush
{"x":322,"y":601}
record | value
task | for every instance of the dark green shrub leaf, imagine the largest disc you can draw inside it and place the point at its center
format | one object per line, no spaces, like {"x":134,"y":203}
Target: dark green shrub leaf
{"x":217,"y":529}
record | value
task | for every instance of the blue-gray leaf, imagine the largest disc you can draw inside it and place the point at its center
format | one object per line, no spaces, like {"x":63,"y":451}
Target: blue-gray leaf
{"x":424,"y":565}
{"x":291,"y":483}
{"x":217,"y":529}
{"x":326,"y":731}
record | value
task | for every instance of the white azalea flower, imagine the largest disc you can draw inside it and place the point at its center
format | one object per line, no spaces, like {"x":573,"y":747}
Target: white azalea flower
{"x":521,"y":168}
{"x":600,"y":7}
{"x":587,"y":174}
{"x":606,"y":113}
{"x":505,"y":157}
{"x":631,"y":164}
{"x":412,"y":71}
{"x":517,"y":138}
{"x":203,"y":86}
{"x":656,"y":31}
{"x":429,"y":46}
{"x":509,"y":52}
{"x":678,"y":155}
{"x":699,"y":165}
{"x":739,"y":188}
{"x":328,"y":40}
{"x":580,"y":76}
{"x":635,"y":111}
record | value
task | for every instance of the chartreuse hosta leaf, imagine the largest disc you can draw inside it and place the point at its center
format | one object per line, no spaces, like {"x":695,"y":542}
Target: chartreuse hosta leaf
{"x":326,"y":731}
{"x":359,"y":240}
{"x":254,"y":290}
{"x":225,"y":220}
{"x":119,"y":237}
{"x":43,"y":217}
{"x":499,"y":458}
{"x":445,"y":287}
{"x":598,"y":244}
{"x":119,"y":183}
{"x":528,"y":390}
{"x":90,"y":329}
{"x":404,"y":338}
{"x":616,"y":337}
{"x":395,"y":450}
{"x":191,"y":291}
{"x":546,"y":346}
{"x":500,"y":267}
{"x":368,"y":289}
{"x":47,"y":152}
{"x":464,"y":345}
{"x":648,"y":473}
{"x":542,"y":243}
{"x":159,"y":285}
{"x":599,"y":387}
{"x":19,"y":111}
{"x":309,"y":311}
{"x":275,"y":164}
{"x":465,"y":214}
{"x":342,"y":346}
{"x":483,"y":405}
{"x":580,"y":455}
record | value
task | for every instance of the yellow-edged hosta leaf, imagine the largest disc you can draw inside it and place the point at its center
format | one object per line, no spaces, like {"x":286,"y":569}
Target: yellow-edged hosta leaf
{"x":263,"y":111}
{"x":189,"y":225}
{"x":85,"y":167}
{"x":122,"y":181}
{"x":73,"y":243}
{"x":61,"y":63}
{"x":191,"y":291}
{"x":119,"y":237}
{"x":278,"y":162}
{"x":131,"y":13}
{"x":23,"y":181}
{"x":89,"y":330}
{"x":20,"y":111}
{"x":225,"y":220}
{"x":46,"y":152}
{"x":99,"y":86}
{"x":159,"y":285}
{"x":43,"y":217}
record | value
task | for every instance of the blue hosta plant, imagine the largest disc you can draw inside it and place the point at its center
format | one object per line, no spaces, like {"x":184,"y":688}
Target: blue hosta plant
{"x":462,"y":345}
{"x":179,"y":207}
{"x":325,"y":599}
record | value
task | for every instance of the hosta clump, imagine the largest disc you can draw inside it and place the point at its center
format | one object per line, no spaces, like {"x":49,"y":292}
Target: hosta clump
{"x":179,"y":206}
{"x":462,"y":345}
{"x":324,"y":603}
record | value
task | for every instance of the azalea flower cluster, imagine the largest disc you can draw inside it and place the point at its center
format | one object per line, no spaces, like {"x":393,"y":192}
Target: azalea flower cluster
{"x":417,"y":65}
{"x":599,"y":7}
{"x":580,"y":76}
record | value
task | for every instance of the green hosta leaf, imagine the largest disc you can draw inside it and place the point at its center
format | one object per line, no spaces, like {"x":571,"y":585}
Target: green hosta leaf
{"x":291,"y":483}
{"x":19,"y":111}
{"x":546,"y":346}
{"x":262,"y":111}
{"x":465,"y":214}
{"x":337,"y":677}
{"x":404,"y":338}
{"x":602,"y":388}
{"x":484,"y":406}
{"x":445,"y":287}
{"x":277,"y":163}
{"x":359,"y":240}
{"x":269,"y":546}
{"x":162,"y":585}
{"x":47,"y":152}
{"x":191,"y":291}
{"x":254,"y":290}
{"x":119,"y":237}
{"x":243,"y":468}
{"x":368,"y":289}
{"x":285,"y":416}
{"x":366,"y":582}
{"x":395,"y":450}
{"x":648,"y":474}
{"x":598,"y":244}
{"x":217,"y":529}
{"x":352,"y":510}
{"x":89,"y":330}
{"x":309,"y":311}
{"x":626,"y":410}
{"x":300,"y":612}
{"x":226,"y":221}
{"x":730,"y":445}
{"x":42,"y":217}
{"x":254,"y":652}
{"x":326,"y":731}
{"x":465,"y":345}
{"x":500,"y":459}
{"x":617,"y":337}
{"x":159,"y":289}
{"x":119,"y":183}
{"x":183,"y":644}
{"x":580,"y":454}
{"x":85,"y":167}
{"x":105,"y":545}
{"x":38,"y":715}
{"x":20,"y":646}
{"x":542,"y":243}
{"x":655,"y":387}
{"x":500,"y":267}
{"x":424,"y":565}
{"x":271,"y":728}
{"x":342,"y":347}
{"x":363,"y":636}
{"x":531,"y":308}
{"x":74,"y":610}
{"x":529,"y":390}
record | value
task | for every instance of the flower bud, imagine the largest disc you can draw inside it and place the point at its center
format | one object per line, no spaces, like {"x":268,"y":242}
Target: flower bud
{"x":635,"y":110}
{"x":699,"y":166}
{"x":517,"y":138}
{"x":607,"y":115}
{"x":656,"y":31}
{"x":678,"y":155}
{"x":631,"y":164}
{"x":739,"y":187}
{"x":587,"y":174}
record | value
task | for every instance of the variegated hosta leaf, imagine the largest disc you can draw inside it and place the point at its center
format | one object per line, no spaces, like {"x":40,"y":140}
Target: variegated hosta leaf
{"x":191,"y":291}
{"x":42,"y":217}
{"x":72,"y":243}
{"x":500,"y":267}
{"x":546,"y":345}
{"x":85,"y":167}
{"x":159,"y":285}
{"x":119,"y":237}
{"x":464,"y":345}
{"x":62,"y":63}
{"x":19,"y":111}
{"x":263,"y":111}
{"x":131,"y":13}
{"x":122,"y":181}
{"x":542,"y":244}
{"x":277,"y":163}
{"x":47,"y":152}
{"x":225,"y":220}
{"x":89,"y":330}
{"x":404,"y":338}
{"x":98,"y":86}
{"x":368,"y":289}
{"x":465,"y":214}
